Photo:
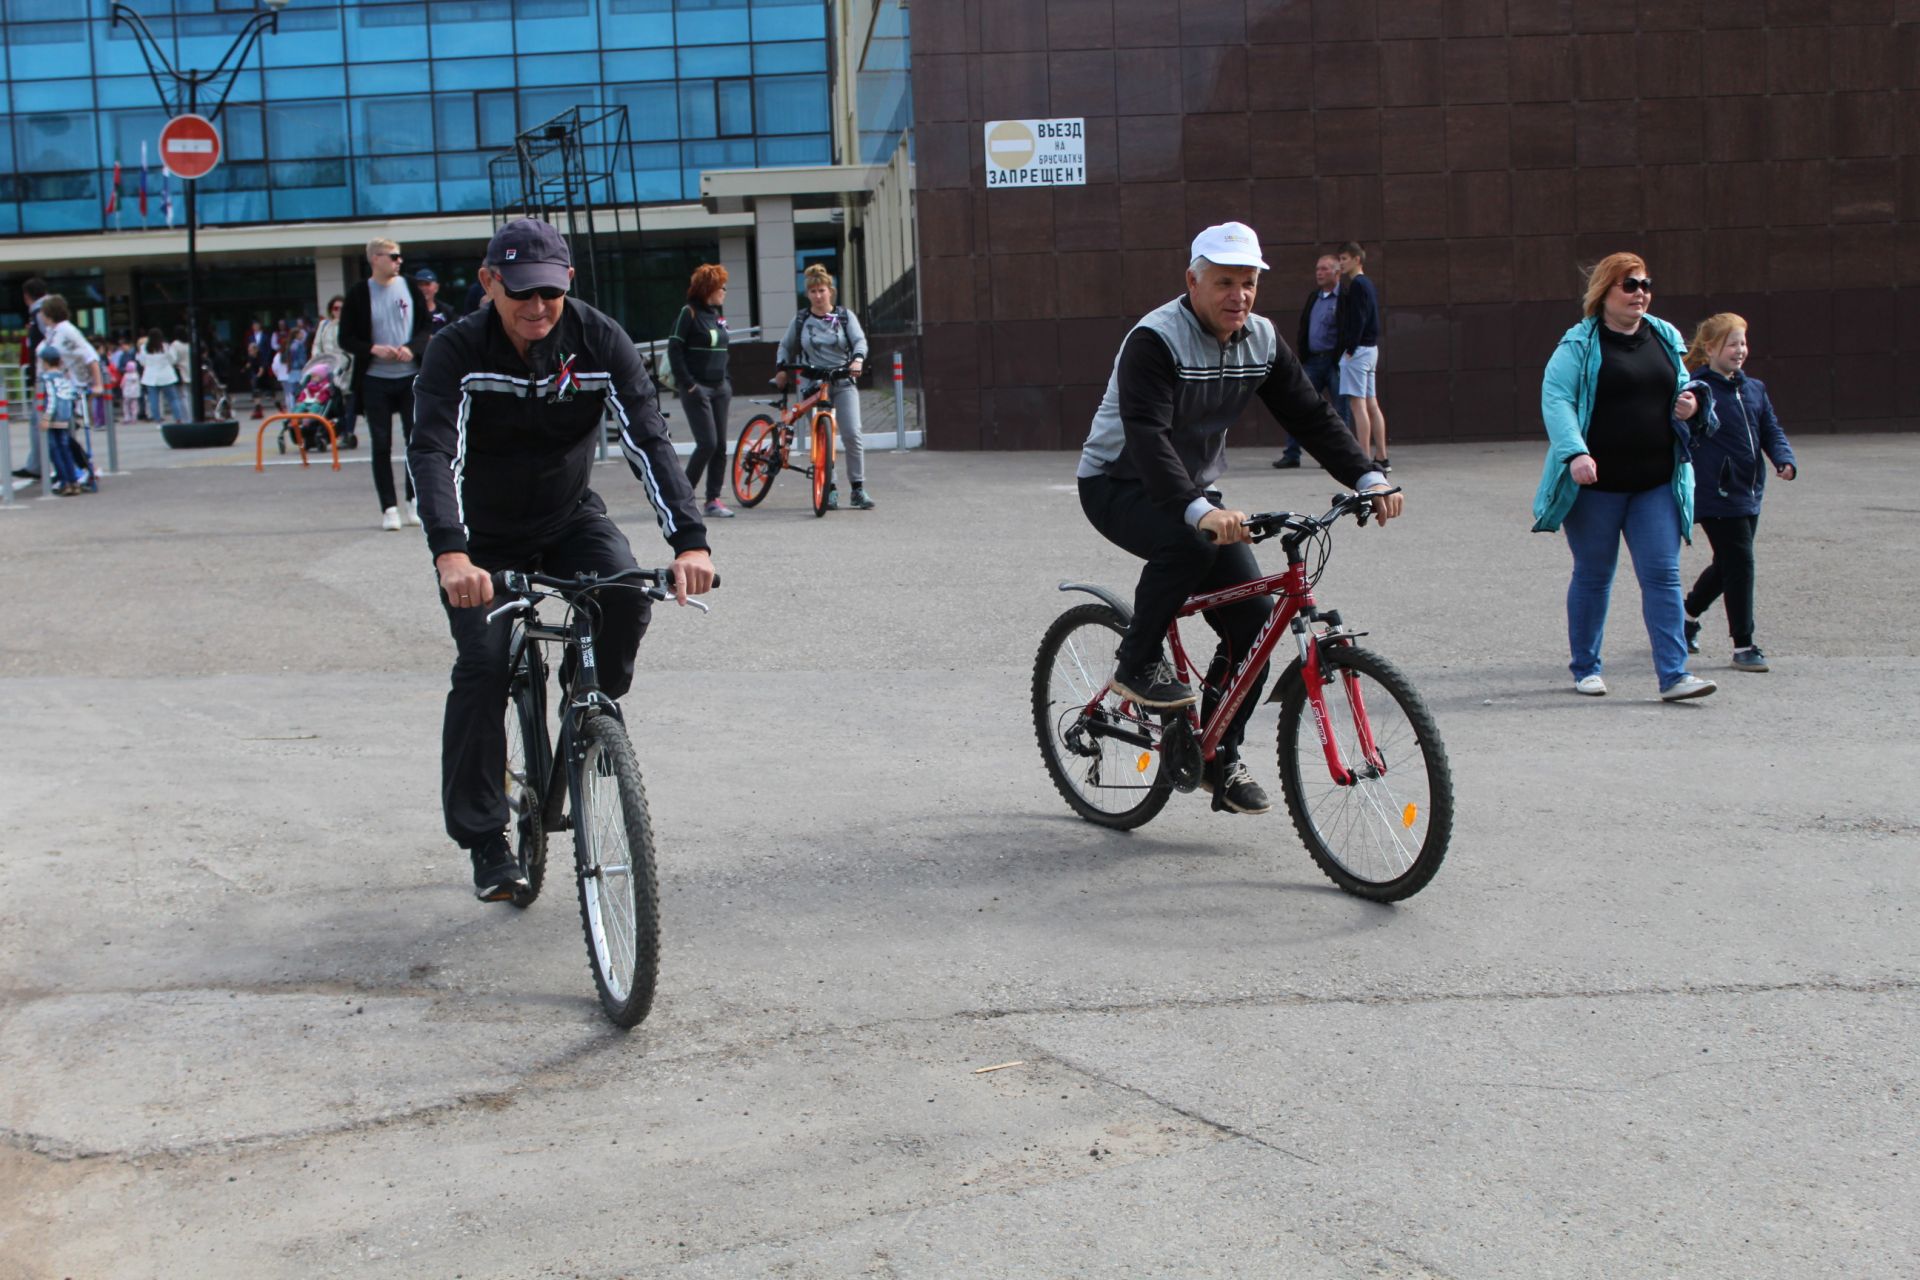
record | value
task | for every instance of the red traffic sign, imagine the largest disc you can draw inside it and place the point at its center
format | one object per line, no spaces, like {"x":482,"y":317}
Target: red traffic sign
{"x":189,"y":146}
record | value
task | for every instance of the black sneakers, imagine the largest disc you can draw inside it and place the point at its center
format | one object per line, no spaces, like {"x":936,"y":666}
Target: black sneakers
{"x":1156,"y":689}
{"x":496,"y":872}
{"x":1234,"y":789}
{"x":862,"y":502}
{"x":1692,"y":629}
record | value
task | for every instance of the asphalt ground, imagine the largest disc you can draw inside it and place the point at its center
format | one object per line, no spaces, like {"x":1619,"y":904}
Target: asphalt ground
{"x":1655,"y":1017}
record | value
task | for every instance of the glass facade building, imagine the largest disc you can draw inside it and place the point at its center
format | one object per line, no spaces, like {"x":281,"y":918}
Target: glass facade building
{"x":364,"y":110}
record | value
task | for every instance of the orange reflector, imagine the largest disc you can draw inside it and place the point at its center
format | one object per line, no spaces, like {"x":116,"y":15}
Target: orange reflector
{"x":1140,"y":766}
{"x":1408,"y":815}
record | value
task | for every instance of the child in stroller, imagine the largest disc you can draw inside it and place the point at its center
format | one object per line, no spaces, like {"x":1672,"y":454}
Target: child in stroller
{"x":318,"y":392}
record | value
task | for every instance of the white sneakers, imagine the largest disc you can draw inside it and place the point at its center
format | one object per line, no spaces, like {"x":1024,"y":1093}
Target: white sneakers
{"x":390,"y":518}
{"x":1593,"y":686}
{"x":411,"y":513}
{"x":1687,"y":686}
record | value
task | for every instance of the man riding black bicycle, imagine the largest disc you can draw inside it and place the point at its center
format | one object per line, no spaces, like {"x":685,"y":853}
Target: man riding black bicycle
{"x":509,"y":405}
{"x":1184,"y":374}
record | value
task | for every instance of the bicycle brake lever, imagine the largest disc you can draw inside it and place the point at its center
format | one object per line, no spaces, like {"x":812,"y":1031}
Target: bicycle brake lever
{"x":511,"y":606}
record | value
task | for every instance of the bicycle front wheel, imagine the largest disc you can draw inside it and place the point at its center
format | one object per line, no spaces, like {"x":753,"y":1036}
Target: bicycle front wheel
{"x":1383,"y":835}
{"x":526,"y":726}
{"x":756,"y":459}
{"x":822,"y":462}
{"x":1108,"y":779}
{"x":619,"y":891}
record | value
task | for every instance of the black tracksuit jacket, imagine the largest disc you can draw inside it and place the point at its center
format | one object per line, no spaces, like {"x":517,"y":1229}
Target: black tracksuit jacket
{"x":502,"y":450}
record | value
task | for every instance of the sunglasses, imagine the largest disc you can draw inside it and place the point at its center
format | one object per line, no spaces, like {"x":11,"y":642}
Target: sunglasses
{"x":1636,"y":284}
{"x":546,"y":293}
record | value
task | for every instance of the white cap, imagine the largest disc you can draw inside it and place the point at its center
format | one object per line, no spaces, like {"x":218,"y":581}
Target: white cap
{"x":1231,"y":244}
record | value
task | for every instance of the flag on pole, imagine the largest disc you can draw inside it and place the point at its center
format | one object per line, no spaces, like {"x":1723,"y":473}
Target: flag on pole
{"x":113,"y":192}
{"x":143,"y":183}
{"x":166,"y":196}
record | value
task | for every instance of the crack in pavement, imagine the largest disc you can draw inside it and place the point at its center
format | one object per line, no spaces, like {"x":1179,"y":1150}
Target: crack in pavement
{"x":557,"y":1070}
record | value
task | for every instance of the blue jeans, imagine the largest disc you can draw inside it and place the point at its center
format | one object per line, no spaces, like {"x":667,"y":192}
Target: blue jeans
{"x":1321,"y":370}
{"x":1650,"y":520}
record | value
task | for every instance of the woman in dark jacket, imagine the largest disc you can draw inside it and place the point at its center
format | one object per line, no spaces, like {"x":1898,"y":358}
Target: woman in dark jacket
{"x":1730,"y":478}
{"x":697,"y":350}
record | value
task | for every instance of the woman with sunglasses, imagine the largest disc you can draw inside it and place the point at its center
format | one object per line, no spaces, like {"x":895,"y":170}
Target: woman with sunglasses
{"x":1617,"y":467}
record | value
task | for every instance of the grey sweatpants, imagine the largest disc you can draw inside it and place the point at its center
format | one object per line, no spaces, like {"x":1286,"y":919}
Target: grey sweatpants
{"x":846,"y":408}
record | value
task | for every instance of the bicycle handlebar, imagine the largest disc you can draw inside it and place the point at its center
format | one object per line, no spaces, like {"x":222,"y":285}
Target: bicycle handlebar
{"x":521,"y":586}
{"x":1268,"y":524}
{"x":818,"y":374}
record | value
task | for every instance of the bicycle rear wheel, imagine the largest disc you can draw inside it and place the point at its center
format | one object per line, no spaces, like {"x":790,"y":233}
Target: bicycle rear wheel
{"x":756,"y":459}
{"x":1104,"y":779}
{"x":619,"y":890}
{"x":526,"y":726}
{"x":822,"y":454}
{"x":1383,"y":836}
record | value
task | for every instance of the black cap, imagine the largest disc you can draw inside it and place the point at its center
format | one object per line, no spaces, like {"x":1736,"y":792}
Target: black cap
{"x":425,"y":276}
{"x":530,"y":254}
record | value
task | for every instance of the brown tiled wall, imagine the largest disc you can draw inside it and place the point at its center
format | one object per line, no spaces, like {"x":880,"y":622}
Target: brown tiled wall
{"x":1768,"y":163}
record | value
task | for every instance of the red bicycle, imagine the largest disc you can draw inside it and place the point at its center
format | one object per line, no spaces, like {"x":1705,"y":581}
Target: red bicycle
{"x":1377,"y":821}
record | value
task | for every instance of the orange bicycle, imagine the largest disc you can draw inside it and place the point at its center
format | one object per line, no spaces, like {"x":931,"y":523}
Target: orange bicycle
{"x":765,"y":446}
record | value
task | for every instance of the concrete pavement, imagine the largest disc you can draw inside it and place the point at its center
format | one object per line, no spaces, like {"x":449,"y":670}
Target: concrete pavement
{"x":1656,"y":1015}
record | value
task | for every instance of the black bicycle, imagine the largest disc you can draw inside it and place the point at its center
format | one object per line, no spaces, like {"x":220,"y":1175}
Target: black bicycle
{"x":590,"y":768}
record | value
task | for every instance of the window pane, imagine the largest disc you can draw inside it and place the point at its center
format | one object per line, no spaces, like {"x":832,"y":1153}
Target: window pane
{"x":454,"y":122}
{"x":560,"y":26}
{"x":804,"y":55}
{"x":638,"y":64}
{"x":463,"y":28}
{"x":387,"y":33}
{"x":304,"y":82}
{"x":473,"y":73}
{"x":498,"y":121}
{"x":387,"y":77}
{"x":308,"y":37}
{"x":792,"y":104}
{"x":559,"y":68}
{"x":394,"y":126}
{"x":50,"y":51}
{"x":52,"y":142}
{"x":811,"y":148}
{"x":716,"y":60}
{"x":789,"y":19}
{"x":651,"y":110}
{"x":637,"y":24}
{"x":735,"y":107}
{"x":697,"y":118}
{"x":537,"y":106}
{"x":656,"y":173}
{"x":395,"y":185}
{"x":306,"y":130}
{"x":711,"y":21}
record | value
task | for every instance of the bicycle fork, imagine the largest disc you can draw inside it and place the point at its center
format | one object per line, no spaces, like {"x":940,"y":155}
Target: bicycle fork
{"x":1312,"y":673}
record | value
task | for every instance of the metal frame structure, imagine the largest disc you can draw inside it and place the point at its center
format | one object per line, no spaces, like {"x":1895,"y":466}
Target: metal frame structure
{"x":567,"y":171}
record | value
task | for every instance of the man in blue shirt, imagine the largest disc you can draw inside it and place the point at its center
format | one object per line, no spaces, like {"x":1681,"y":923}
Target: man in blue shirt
{"x":1318,"y":345}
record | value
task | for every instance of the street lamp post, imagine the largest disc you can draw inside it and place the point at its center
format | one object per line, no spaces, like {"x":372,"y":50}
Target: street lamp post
{"x":187,"y":85}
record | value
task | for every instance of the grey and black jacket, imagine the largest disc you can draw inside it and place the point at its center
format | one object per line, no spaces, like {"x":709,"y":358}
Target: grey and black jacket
{"x":503,"y":447}
{"x":1174,"y":391}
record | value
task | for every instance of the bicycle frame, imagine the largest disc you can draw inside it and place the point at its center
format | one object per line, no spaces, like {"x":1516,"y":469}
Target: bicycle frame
{"x":548,"y":759}
{"x":1294,"y":610}
{"x":821,"y":397}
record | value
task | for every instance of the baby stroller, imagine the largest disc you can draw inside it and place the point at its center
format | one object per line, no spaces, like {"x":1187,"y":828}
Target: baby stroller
{"x":319,"y":394}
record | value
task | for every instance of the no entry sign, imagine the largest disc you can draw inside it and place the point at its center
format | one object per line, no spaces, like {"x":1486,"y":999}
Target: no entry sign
{"x":189,"y":146}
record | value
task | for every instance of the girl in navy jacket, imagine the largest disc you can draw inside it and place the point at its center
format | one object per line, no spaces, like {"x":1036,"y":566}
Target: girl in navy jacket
{"x":1729,"y":479}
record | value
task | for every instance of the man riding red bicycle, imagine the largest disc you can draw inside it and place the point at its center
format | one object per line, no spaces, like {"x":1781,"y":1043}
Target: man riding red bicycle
{"x":1184,"y":375}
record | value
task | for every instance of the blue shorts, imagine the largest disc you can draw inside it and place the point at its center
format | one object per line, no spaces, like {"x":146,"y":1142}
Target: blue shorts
{"x":1357,"y":372}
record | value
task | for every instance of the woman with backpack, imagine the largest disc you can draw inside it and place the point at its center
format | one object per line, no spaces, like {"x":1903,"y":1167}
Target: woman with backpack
{"x":826,"y":336}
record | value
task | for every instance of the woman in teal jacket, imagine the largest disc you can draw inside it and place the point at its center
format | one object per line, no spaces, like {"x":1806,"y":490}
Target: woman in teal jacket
{"x":1613,"y":398}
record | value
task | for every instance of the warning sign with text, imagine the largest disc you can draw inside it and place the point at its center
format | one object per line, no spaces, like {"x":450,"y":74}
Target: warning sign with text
{"x":1037,"y":153}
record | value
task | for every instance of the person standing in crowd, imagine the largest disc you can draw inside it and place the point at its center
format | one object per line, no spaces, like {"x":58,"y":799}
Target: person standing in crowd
{"x":439,"y":315}
{"x":1359,"y":342}
{"x":697,"y":350}
{"x":33,"y":292}
{"x":126,"y":362}
{"x":326,"y":346}
{"x":1317,"y":344}
{"x":62,"y":409}
{"x":1616,"y":466}
{"x":384,"y":327}
{"x":1729,"y":480}
{"x":80,"y":365}
{"x":160,"y":378}
{"x":109,"y":383}
{"x":825,"y":336}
